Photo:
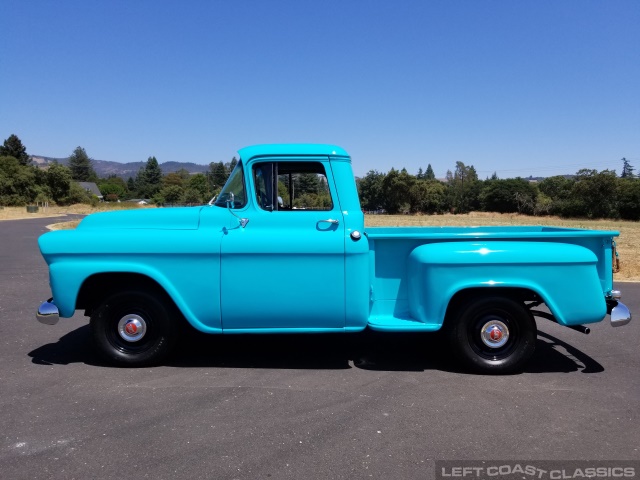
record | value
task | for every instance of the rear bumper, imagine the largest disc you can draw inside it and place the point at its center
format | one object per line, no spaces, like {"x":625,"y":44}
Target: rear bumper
{"x":48,"y":313}
{"x":620,"y":314}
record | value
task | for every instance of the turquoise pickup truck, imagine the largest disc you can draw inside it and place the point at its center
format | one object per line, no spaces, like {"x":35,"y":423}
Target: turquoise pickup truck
{"x":284,"y":249}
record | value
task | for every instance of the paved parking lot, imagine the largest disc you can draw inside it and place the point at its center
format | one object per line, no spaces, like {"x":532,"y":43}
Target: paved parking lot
{"x":361,"y":406}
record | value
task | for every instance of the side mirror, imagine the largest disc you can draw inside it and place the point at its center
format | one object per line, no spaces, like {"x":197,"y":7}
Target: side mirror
{"x":228,"y":198}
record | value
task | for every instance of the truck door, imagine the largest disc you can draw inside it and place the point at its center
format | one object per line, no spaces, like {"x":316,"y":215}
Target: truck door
{"x":285,"y":268}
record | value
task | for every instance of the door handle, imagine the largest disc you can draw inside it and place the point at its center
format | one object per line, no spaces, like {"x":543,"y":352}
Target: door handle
{"x":330,"y":220}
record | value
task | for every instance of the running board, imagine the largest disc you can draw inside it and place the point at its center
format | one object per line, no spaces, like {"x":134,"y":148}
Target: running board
{"x":395,"y":324}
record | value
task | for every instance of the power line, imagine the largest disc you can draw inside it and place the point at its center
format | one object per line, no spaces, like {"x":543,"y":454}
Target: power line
{"x":557,"y":167}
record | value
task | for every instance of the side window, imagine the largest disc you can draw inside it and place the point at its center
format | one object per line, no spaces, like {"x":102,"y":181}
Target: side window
{"x":292,"y":186}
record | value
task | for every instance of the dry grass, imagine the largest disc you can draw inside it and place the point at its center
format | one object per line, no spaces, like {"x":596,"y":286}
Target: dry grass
{"x":628,"y":242}
{"x":18,"y":213}
{"x":64,"y":225}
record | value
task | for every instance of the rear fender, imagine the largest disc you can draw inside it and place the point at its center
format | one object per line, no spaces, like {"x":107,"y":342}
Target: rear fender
{"x":563,"y":275}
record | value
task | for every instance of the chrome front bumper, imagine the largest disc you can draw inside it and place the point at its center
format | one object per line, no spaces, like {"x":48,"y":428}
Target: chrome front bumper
{"x":48,"y":313}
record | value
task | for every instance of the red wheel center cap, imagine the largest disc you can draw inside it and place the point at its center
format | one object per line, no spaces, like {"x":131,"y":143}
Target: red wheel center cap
{"x":131,"y":328}
{"x":495,"y":334}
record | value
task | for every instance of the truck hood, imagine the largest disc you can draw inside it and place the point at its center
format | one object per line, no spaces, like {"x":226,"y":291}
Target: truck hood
{"x":185,"y":218}
{"x":150,"y":231}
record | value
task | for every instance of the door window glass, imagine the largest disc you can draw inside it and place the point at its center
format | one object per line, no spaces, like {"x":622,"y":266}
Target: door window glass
{"x":292,"y":186}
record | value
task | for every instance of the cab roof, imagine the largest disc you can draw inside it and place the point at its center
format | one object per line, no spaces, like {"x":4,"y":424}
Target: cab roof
{"x":291,"y":149}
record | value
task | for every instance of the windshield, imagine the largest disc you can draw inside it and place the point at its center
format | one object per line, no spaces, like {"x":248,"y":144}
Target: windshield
{"x":234,"y":185}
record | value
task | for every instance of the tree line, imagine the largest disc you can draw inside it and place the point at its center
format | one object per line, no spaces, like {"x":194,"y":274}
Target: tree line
{"x":587,"y":194}
{"x":22,"y":183}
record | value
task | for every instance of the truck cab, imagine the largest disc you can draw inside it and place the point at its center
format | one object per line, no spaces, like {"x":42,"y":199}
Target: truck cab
{"x":291,"y":251}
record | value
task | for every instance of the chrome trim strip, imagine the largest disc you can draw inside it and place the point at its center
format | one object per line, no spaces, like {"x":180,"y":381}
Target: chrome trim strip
{"x":48,"y":313}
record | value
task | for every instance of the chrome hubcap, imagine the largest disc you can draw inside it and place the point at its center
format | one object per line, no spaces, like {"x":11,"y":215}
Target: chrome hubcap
{"x":132,"y":328}
{"x":494,"y":334}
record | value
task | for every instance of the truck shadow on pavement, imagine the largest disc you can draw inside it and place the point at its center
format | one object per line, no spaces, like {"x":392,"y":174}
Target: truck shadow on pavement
{"x":74,"y":347}
{"x":368,"y":350}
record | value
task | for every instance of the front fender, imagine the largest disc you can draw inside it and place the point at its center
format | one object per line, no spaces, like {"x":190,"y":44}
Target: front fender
{"x":563,"y":275}
{"x":197,"y":299}
{"x":185,"y":263}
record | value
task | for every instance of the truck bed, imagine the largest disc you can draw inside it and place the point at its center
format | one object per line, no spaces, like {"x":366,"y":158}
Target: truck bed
{"x":390,"y":248}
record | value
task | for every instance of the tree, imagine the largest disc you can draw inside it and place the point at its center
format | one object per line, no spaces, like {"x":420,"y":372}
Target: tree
{"x":370,"y":190}
{"x":17,"y":182}
{"x":543,"y":204}
{"x":557,"y":187}
{"x":197,"y":189}
{"x":463,"y":188}
{"x":13,"y":147}
{"x":627,"y":169}
{"x":231,"y":165}
{"x":306,"y":183}
{"x":140,"y":183}
{"x":429,"y":174}
{"x":184,"y":174}
{"x":428,"y":196}
{"x":508,"y":196}
{"x":192,"y":197}
{"x":170,"y":194}
{"x":594,"y":194}
{"x":59,"y":182}
{"x":80,"y":166}
{"x":173,"y":178}
{"x":395,"y":191}
{"x":629,"y":199}
{"x":43,"y":193}
{"x":218,"y":174}
{"x":149,"y":179}
{"x":77,"y":194}
{"x":153,"y":172}
{"x":113,"y":188}
{"x":558,"y":190}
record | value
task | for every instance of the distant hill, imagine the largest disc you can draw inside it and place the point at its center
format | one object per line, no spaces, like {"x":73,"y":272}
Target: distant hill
{"x":105,"y":168}
{"x":539,"y":179}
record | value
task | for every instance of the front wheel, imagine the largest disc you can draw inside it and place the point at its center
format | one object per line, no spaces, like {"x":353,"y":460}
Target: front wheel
{"x":494,"y":335}
{"x":133,"y":328}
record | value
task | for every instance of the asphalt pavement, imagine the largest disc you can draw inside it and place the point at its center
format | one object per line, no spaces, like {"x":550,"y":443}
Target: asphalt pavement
{"x":303,"y":407}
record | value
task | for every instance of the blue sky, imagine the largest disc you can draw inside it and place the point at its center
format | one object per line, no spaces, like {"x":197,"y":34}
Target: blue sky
{"x":517,"y":87}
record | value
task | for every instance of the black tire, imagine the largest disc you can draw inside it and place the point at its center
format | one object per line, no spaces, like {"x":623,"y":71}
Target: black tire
{"x":144,"y":309}
{"x":483,"y":352}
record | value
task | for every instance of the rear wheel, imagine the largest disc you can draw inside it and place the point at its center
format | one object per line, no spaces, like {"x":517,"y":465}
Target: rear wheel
{"x":134,"y":328}
{"x":492,"y":334}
